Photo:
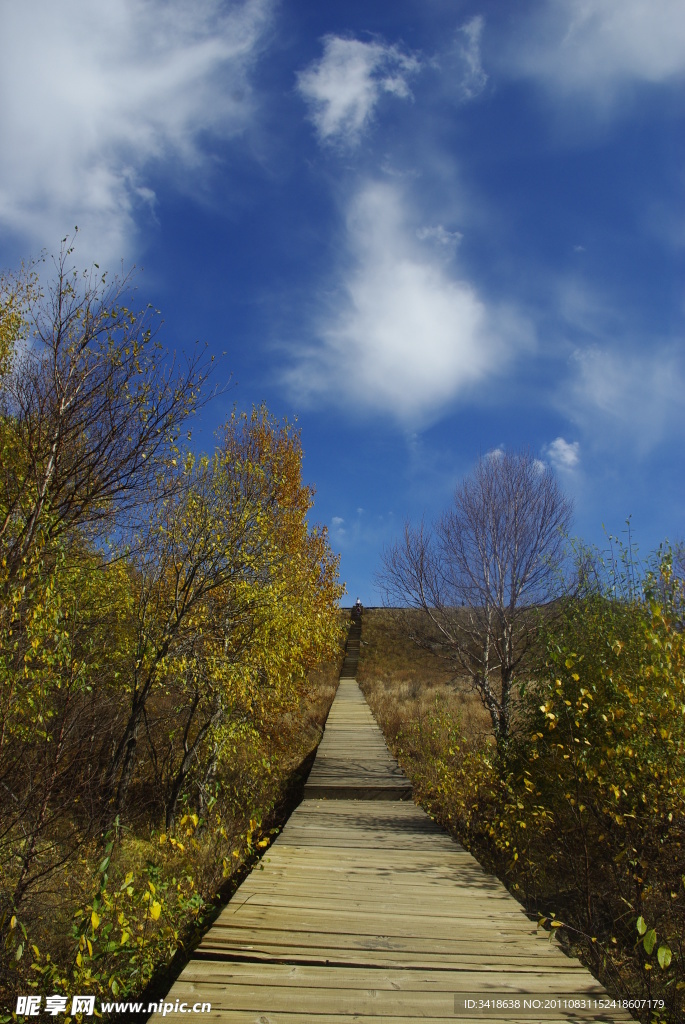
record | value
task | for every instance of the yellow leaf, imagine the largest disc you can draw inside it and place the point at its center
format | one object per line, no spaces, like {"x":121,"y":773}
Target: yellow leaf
{"x":155,"y":910}
{"x":94,"y":920}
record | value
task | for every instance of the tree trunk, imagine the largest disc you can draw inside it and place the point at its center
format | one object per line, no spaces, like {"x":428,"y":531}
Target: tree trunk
{"x":189,"y":753}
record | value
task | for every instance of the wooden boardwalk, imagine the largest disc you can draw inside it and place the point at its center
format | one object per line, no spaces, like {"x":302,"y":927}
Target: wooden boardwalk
{"x":365,"y":910}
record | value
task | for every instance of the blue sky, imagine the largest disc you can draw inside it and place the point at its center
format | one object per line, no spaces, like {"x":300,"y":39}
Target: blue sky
{"x":427,"y":229}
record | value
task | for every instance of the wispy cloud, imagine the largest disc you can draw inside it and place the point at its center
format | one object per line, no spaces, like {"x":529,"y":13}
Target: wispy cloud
{"x":406,"y":336}
{"x":563,"y":455}
{"x":474,"y":78}
{"x":344,"y":87}
{"x":93,"y":94}
{"x":638,"y":396}
{"x":595,"y":46}
{"x":440,"y":235}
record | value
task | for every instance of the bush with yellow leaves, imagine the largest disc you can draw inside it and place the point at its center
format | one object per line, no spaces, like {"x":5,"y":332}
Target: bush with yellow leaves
{"x":583,"y":813}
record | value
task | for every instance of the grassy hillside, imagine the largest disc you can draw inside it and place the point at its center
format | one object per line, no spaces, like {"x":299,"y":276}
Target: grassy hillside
{"x":402,"y":682}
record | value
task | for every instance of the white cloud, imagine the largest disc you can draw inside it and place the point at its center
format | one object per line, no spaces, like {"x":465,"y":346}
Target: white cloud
{"x":405,"y":337}
{"x":638,"y":396}
{"x":94,"y":93}
{"x":564,"y":455}
{"x":344,"y":87}
{"x":440,"y":235}
{"x":474,"y":79}
{"x":595,"y":46}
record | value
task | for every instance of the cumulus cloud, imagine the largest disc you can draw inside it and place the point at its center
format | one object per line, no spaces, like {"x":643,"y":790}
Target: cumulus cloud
{"x":94,"y":93}
{"x":595,"y":46}
{"x":344,"y":87}
{"x":564,"y":455}
{"x":406,"y":336}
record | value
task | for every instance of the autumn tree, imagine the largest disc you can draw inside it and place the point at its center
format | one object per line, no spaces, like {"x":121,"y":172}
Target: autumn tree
{"x":90,"y":412}
{"x":236,"y":591}
{"x":60,"y":661}
{"x":479,"y":573}
{"x":90,"y":405}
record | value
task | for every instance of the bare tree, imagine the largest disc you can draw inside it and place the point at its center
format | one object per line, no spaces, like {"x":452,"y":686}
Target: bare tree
{"x":477,"y":576}
{"x":91,"y":406}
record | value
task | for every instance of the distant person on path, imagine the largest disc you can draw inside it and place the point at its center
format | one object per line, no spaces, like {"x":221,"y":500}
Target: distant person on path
{"x":357,"y":609}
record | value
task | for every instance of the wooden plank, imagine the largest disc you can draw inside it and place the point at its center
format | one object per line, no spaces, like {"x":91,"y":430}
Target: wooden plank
{"x":366,"y":922}
{"x":262,"y":933}
{"x":376,"y":993}
{"x":333,"y":901}
{"x":317,"y":950}
{"x":388,"y":979}
{"x":476,"y":958}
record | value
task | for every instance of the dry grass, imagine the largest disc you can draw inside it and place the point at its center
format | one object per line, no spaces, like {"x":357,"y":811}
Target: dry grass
{"x":402,"y":682}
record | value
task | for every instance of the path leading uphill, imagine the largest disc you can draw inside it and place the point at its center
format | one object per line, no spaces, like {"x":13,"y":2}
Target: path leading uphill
{"x":365,"y":910}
